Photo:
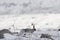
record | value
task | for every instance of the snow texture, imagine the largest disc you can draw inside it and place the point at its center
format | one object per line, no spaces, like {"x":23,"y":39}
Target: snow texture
{"x":44,"y":23}
{"x":19,"y":14}
{"x":17,"y":7}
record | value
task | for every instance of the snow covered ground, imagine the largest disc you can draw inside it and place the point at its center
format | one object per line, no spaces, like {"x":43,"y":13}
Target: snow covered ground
{"x":25,"y":20}
{"x":19,"y":14}
{"x":45,"y":23}
{"x":34,"y":36}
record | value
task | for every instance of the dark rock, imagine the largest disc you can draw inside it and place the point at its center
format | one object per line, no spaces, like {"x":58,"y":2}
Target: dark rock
{"x":46,"y":36}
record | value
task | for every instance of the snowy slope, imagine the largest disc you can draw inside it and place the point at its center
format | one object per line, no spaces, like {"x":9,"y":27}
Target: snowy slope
{"x":24,"y":21}
{"x":21,"y":13}
{"x":29,"y":6}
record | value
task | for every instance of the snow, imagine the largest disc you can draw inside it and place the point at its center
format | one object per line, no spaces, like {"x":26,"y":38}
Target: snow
{"x":40,"y":20}
{"x":34,"y":36}
{"x":43,"y":23}
{"x":29,"y":6}
{"x":45,"y":14}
